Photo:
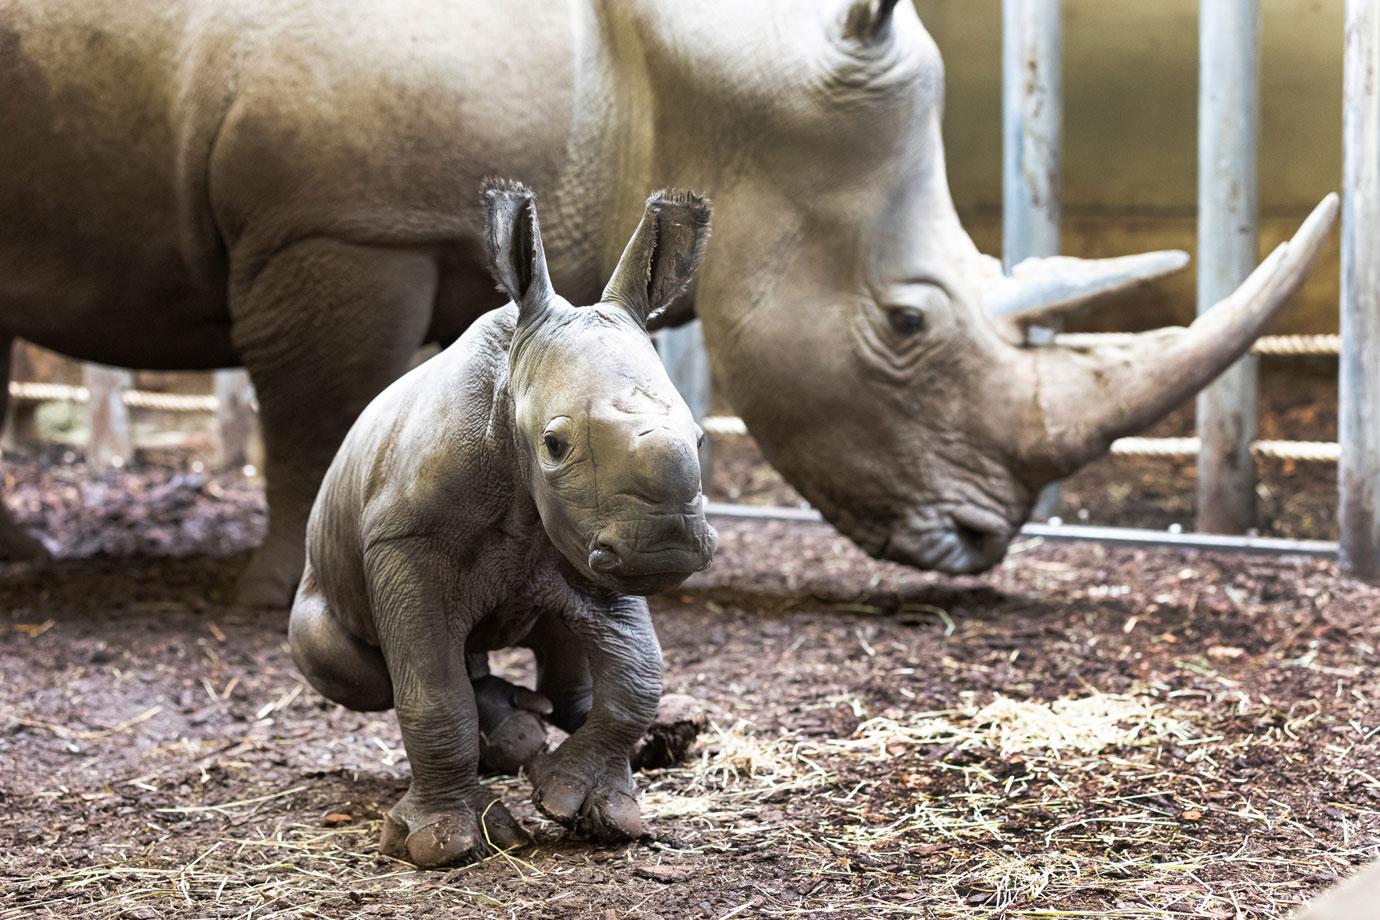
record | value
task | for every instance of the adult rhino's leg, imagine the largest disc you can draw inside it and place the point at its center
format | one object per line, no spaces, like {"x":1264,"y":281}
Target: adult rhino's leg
{"x":322,"y":327}
{"x":16,"y":545}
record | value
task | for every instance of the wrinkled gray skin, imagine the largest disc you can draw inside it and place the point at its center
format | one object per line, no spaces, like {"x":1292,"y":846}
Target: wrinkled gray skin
{"x":520,"y":488}
{"x":200,"y":183}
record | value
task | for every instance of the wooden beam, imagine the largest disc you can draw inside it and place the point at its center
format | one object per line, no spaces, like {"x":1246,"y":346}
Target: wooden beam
{"x":110,"y":441}
{"x":237,"y":426}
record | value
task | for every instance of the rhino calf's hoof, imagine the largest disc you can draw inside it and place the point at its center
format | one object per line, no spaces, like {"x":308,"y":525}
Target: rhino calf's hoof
{"x":474,"y":829}
{"x":514,"y":744}
{"x":511,"y":730}
{"x":593,"y":800}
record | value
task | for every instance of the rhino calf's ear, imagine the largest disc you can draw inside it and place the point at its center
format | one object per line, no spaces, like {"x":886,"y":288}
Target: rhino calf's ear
{"x":662,"y":255}
{"x":512,"y":238}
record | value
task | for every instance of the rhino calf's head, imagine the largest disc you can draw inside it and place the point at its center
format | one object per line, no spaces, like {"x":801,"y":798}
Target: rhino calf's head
{"x":609,"y":447}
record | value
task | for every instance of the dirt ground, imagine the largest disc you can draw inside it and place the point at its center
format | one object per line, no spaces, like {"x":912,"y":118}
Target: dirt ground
{"x":1082,"y":732}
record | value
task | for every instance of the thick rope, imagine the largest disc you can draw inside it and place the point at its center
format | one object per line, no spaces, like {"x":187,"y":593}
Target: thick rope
{"x":135,"y":399}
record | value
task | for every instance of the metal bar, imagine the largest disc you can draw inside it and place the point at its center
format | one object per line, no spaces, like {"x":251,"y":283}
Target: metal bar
{"x":1358,"y":471}
{"x":110,"y":441}
{"x":687,"y":364}
{"x":1228,"y":113}
{"x":1118,"y":536}
{"x":1032,"y":116}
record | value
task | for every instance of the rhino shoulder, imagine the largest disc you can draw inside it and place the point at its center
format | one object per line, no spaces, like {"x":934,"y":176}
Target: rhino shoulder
{"x":433,"y":452}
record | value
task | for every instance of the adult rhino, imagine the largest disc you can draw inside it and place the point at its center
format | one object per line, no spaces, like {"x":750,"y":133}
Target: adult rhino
{"x":206,"y":183}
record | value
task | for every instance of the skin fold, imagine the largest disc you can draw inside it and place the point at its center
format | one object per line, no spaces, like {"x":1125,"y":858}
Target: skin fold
{"x":525,"y":487}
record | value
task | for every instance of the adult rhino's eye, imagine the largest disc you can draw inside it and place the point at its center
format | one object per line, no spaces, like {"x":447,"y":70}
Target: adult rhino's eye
{"x":905,"y":321}
{"x":555,"y":447}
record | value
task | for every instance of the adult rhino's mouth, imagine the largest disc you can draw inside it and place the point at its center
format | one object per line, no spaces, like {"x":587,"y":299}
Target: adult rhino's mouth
{"x":958,"y":542}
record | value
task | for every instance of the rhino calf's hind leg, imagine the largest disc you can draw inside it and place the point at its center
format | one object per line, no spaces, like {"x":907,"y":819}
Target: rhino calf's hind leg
{"x":16,"y":545}
{"x":322,"y":328}
{"x":341,"y":666}
{"x":511,"y":731}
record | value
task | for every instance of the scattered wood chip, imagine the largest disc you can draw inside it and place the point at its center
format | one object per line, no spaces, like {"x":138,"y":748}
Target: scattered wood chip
{"x":664,"y":873}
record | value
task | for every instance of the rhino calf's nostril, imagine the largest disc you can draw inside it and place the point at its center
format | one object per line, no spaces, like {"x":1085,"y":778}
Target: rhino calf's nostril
{"x":972,"y":537}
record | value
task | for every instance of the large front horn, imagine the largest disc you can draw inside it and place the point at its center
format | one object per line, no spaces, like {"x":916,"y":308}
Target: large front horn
{"x":1090,"y":398}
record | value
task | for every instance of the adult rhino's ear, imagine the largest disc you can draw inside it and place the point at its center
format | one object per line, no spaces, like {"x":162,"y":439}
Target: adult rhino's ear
{"x":867,"y":20}
{"x":512,"y":237}
{"x":662,"y":255}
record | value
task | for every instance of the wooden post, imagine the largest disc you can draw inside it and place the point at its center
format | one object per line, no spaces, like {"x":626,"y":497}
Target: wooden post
{"x":236,"y":425}
{"x":1358,"y":472}
{"x":1228,"y":112}
{"x":687,"y":364}
{"x":110,"y":441}
{"x":1032,"y":126}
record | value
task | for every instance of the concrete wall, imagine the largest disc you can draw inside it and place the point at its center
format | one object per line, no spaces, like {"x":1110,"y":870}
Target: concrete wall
{"x":1130,"y":134}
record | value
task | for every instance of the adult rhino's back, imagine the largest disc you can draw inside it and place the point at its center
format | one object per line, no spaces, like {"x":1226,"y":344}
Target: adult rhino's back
{"x":153,"y":155}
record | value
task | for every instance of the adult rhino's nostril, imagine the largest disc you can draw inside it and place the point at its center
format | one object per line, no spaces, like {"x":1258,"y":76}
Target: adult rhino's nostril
{"x":981,"y":542}
{"x":605,"y":559}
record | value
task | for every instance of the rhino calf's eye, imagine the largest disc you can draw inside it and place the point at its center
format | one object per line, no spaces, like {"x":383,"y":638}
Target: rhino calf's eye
{"x":906,"y":321}
{"x":555,"y":449}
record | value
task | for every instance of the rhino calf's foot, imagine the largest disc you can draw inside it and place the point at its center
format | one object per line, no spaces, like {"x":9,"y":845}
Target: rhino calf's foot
{"x":511,"y":730}
{"x":468,"y":828}
{"x":589,"y":795}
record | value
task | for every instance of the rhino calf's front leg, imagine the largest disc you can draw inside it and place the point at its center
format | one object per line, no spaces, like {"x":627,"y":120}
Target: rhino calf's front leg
{"x":586,"y":783}
{"x":446,"y":816}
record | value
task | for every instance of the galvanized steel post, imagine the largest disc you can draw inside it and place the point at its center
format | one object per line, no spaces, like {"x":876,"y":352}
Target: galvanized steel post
{"x":1228,"y":114}
{"x":1358,"y":472}
{"x":1032,"y":116}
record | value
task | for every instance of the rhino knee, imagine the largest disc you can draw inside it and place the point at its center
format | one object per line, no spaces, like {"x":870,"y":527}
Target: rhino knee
{"x":342,"y":667}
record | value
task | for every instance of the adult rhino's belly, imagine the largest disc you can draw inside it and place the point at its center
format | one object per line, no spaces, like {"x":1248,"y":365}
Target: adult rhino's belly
{"x":128,"y":312}
{"x":107,"y":249}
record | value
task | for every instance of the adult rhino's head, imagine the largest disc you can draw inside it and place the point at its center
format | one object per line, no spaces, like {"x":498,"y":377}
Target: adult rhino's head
{"x":877,"y":357}
{"x":611,"y":449}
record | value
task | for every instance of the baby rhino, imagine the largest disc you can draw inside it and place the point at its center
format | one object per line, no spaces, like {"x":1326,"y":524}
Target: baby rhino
{"x":523,"y":487}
